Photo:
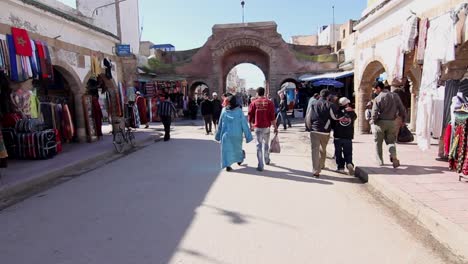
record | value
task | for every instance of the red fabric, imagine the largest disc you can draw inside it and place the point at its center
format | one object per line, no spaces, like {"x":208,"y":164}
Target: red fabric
{"x":22,"y":41}
{"x":261,"y":113}
{"x":10,"y":120}
{"x":447,"y":138}
{"x":141,"y":104}
{"x":68,"y":128}
{"x":42,"y":60}
{"x":58,"y":141}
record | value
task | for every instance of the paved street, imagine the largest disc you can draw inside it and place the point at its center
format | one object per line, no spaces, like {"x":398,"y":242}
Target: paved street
{"x":170,"y":203}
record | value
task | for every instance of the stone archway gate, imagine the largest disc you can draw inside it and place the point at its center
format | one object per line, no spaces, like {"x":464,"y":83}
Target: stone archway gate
{"x":257,"y":43}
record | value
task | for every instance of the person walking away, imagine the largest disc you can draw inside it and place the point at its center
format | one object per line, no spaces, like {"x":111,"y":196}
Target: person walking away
{"x":232,"y":127}
{"x":193,"y":108}
{"x":321,"y":112}
{"x":217,"y":108}
{"x":387,"y":107}
{"x":261,"y":118}
{"x":166,"y":111}
{"x":207,"y":112}
{"x":142,"y":109}
{"x":283,"y":112}
{"x":343,"y":134}
{"x":307,"y":124}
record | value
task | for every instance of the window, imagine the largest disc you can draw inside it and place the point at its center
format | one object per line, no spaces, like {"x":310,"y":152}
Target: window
{"x":344,"y":33}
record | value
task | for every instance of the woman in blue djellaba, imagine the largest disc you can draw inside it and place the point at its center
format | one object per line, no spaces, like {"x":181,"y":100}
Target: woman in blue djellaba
{"x":232,"y":128}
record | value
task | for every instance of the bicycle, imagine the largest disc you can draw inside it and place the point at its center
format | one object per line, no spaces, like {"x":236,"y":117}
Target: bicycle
{"x":123,"y":137}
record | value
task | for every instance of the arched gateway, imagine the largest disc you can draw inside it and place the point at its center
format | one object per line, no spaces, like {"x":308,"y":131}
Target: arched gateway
{"x":256,"y":43}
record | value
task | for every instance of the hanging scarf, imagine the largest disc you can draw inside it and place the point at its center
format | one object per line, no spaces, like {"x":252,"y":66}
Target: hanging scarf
{"x":13,"y":67}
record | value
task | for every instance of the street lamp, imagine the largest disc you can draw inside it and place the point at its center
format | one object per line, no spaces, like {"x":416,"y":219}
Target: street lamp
{"x":243,"y":4}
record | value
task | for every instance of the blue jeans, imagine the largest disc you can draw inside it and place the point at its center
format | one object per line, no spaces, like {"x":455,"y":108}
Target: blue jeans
{"x":343,"y":152}
{"x":263,"y":145}
{"x":284,"y":118}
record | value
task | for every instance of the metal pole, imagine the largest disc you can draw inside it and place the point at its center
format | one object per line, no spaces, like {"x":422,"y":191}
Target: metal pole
{"x":333,"y":27}
{"x":243,"y":16}
{"x":117,"y":15}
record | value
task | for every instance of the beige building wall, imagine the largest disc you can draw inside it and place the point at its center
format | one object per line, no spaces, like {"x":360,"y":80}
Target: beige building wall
{"x":306,"y":40}
{"x":145,"y":48}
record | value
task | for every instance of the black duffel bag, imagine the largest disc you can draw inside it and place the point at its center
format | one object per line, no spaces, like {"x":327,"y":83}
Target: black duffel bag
{"x":405,"y":135}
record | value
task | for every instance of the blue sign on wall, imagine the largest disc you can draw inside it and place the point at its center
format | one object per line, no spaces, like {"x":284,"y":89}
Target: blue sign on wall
{"x":123,"y":50}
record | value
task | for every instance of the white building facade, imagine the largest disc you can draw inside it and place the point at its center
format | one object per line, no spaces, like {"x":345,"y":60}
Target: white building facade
{"x":74,"y":37}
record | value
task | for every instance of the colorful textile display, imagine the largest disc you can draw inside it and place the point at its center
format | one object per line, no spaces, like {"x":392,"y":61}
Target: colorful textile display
{"x":68,"y":127}
{"x":4,"y":56}
{"x":21,"y":41}
{"x":21,"y":99}
{"x":142,"y":109}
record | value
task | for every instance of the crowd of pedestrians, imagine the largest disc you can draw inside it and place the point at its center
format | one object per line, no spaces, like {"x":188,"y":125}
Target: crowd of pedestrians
{"x":325,"y":114}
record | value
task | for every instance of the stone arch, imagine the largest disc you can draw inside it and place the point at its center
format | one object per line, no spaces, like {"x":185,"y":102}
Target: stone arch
{"x":239,"y":41}
{"x":195,"y":84}
{"x":77,"y":88}
{"x":242,"y":54}
{"x":239,"y":49}
{"x":292,"y":80}
{"x":364,"y":91}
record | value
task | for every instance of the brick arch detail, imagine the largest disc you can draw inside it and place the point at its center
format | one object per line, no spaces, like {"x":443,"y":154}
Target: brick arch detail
{"x":242,"y":54}
{"x":364,"y":90}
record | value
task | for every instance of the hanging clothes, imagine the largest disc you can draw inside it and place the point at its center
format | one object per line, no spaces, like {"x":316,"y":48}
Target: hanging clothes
{"x":48,"y":61}
{"x":136,"y":116}
{"x":142,"y":109}
{"x":95,"y":66}
{"x":34,"y":105}
{"x":440,"y":48}
{"x":33,"y":61}
{"x":438,"y":113}
{"x":4,"y":56}
{"x":447,"y":139}
{"x":459,"y":18}
{"x":21,"y":100}
{"x":43,"y":69}
{"x":409,"y":34}
{"x":14,"y":74}
{"x":108,"y":65}
{"x":68,"y":131}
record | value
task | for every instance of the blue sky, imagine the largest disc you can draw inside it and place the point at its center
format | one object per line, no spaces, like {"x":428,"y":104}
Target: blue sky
{"x":187,"y":24}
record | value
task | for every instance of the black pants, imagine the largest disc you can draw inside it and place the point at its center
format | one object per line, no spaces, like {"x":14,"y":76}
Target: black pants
{"x":216,"y":120}
{"x":343,"y":152}
{"x":166,"y":120}
{"x":208,"y":123}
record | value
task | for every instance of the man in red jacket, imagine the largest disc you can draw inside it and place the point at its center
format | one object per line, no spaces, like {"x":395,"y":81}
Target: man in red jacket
{"x":261,"y":118}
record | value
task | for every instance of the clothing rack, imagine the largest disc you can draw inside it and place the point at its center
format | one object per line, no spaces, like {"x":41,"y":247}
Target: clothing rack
{"x":52,"y":99}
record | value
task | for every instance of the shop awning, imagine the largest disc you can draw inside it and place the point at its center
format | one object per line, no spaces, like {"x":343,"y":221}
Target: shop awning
{"x":330,"y":75}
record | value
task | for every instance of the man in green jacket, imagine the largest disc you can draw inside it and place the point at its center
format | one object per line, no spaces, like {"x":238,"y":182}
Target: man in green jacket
{"x":387,"y":107}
